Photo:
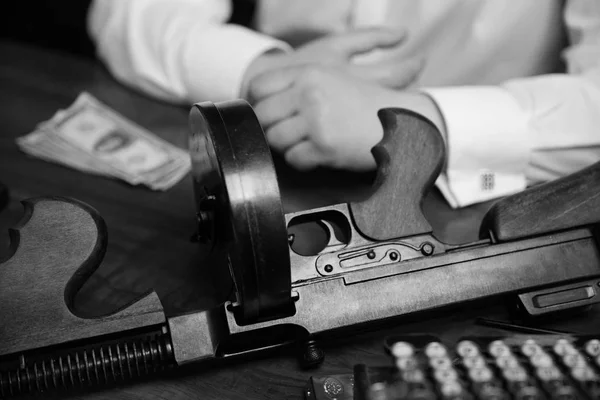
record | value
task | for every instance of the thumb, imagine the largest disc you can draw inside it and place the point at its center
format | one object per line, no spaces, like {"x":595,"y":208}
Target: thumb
{"x":365,"y":40}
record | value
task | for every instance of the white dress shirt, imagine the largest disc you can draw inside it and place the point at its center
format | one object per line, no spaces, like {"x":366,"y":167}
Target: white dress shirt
{"x":491,"y":67}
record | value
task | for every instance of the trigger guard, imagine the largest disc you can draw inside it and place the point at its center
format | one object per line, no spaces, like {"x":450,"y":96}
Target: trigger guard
{"x":332,"y":239}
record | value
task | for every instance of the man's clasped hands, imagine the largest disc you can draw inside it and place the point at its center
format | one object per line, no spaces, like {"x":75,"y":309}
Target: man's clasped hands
{"x":318,"y":105}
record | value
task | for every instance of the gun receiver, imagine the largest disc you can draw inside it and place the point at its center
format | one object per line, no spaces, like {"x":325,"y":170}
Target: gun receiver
{"x":381,"y":260}
{"x":390,"y":263}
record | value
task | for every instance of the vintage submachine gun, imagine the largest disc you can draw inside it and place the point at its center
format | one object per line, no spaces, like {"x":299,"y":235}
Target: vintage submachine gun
{"x":381,"y":260}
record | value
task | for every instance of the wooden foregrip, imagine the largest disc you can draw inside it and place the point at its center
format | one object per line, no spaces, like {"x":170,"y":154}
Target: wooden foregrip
{"x":571,"y":201}
{"x":409,"y":159}
{"x":58,"y":244}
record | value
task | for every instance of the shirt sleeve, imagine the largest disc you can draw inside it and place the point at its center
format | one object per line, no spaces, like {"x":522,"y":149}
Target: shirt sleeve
{"x":527,"y":130}
{"x":177,"y":50}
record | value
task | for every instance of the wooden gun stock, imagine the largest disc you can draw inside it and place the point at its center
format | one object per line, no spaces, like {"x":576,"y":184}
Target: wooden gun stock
{"x":58,"y":244}
{"x":567,"y":202}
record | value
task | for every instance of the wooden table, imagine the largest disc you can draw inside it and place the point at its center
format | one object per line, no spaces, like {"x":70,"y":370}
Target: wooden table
{"x":149,"y":246}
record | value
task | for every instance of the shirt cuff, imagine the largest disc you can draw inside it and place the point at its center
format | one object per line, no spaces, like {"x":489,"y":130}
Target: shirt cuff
{"x":218,"y":57}
{"x":488,"y":148}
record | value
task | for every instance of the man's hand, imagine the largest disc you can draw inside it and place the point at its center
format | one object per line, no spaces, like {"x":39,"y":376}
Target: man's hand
{"x":318,"y":116}
{"x":394,"y":70}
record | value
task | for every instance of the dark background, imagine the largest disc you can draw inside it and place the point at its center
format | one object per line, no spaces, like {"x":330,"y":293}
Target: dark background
{"x":57,"y":24}
{"x":61,"y":24}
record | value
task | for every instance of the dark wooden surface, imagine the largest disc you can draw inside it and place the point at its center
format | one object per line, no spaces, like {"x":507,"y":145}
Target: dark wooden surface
{"x":148,"y":235}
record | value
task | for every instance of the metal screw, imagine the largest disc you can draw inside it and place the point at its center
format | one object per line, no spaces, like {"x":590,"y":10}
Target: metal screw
{"x":207,"y":203}
{"x":427,"y":249}
{"x":394,"y":256}
{"x":204,"y":227}
{"x":371,"y":255}
{"x":312,"y":355}
{"x":328,"y":268}
{"x":291,"y":238}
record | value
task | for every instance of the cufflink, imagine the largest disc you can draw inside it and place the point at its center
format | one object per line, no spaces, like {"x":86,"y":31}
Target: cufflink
{"x":488,"y":181}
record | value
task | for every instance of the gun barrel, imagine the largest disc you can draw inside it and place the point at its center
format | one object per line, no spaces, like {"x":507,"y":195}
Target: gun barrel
{"x":96,"y":362}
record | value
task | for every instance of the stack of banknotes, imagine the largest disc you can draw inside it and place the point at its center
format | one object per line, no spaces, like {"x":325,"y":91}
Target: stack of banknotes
{"x":91,"y":137}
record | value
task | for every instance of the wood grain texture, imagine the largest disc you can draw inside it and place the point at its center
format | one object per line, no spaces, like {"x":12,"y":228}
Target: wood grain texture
{"x":561,"y":204}
{"x":148,"y":236}
{"x":409,"y":159}
{"x":57,"y":245}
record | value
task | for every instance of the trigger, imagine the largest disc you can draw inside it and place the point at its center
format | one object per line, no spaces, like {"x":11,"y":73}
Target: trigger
{"x":333,"y":243}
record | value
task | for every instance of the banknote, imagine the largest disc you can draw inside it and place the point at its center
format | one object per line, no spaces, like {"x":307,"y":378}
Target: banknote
{"x":91,"y":137}
{"x":39,"y":144}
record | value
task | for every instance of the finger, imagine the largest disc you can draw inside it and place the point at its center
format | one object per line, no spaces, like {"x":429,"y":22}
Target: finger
{"x":392,"y":74}
{"x":271,"y":82}
{"x":276,"y":108}
{"x":304,"y":156}
{"x":287,"y":133}
{"x":365,"y":40}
